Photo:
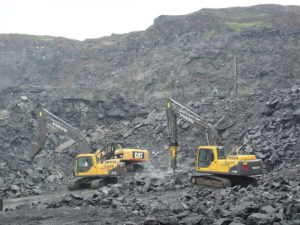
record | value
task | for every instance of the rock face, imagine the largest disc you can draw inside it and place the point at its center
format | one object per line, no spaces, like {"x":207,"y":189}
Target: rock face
{"x":188,"y":54}
{"x":114,"y":89}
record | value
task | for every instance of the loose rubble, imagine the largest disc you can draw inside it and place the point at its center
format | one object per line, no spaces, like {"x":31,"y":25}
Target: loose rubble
{"x":265,"y":124}
{"x":115,"y":89}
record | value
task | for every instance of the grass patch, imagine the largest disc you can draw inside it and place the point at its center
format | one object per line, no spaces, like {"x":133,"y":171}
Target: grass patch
{"x":45,"y":38}
{"x":237,"y":27}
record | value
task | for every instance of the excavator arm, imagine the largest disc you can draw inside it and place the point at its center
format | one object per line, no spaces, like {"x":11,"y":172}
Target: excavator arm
{"x":175,"y":110}
{"x":44,"y":118}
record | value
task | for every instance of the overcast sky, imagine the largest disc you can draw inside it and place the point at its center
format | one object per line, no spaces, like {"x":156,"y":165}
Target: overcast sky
{"x":84,"y":19}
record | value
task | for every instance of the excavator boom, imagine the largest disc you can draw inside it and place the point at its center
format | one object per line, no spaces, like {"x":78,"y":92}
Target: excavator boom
{"x":91,"y":169}
{"x":175,"y":109}
{"x":45,"y":117}
{"x":212,"y":167}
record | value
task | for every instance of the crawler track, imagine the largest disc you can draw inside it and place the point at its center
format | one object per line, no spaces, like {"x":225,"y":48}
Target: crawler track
{"x":100,"y":181}
{"x":90,"y":182}
{"x":210,"y":181}
{"x":217,"y":182}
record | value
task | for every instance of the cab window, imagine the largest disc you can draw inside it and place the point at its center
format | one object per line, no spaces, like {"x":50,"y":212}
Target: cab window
{"x":84,"y":164}
{"x":109,"y":152}
{"x":109,"y":148}
{"x":221,"y":153}
{"x":119,"y":146}
{"x":205,"y":158}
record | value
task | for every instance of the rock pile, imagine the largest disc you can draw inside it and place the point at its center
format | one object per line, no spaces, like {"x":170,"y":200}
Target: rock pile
{"x":171,"y":200}
{"x":264,"y":124}
{"x":114,"y":89}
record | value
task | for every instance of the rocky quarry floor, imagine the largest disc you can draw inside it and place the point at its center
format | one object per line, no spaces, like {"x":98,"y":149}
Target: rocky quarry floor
{"x":266,"y":124}
{"x":114,"y":89}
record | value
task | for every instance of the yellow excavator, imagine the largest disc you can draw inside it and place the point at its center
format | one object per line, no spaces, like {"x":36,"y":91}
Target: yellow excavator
{"x":212,"y":167}
{"x":92,"y":169}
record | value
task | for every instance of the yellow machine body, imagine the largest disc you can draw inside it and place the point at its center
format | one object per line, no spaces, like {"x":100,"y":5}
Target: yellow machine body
{"x":212,"y":167}
{"x":91,"y":165}
{"x":96,"y":164}
{"x":211,"y":159}
{"x":91,"y":169}
{"x":128,"y":154}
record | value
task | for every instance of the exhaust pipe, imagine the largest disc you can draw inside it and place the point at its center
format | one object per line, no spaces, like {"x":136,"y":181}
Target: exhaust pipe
{"x":34,"y":150}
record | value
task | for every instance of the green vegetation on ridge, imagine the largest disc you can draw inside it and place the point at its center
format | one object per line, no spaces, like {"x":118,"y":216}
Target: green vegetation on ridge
{"x":237,"y":27}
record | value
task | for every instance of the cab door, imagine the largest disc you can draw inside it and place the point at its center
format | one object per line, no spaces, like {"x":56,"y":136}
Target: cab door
{"x":109,"y":151}
{"x":205,"y":159}
{"x":84,"y":164}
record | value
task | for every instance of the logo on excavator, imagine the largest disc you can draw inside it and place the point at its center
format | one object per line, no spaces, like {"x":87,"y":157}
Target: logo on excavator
{"x":59,"y":127}
{"x":186,"y":118}
{"x":138,"y":155}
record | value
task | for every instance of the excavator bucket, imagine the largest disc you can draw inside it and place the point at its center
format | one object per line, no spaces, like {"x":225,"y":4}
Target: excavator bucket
{"x":34,"y":150}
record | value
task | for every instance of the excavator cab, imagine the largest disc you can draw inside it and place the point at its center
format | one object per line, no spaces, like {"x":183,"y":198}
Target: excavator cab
{"x":205,"y":157}
{"x":109,"y":150}
{"x":84,"y":164}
